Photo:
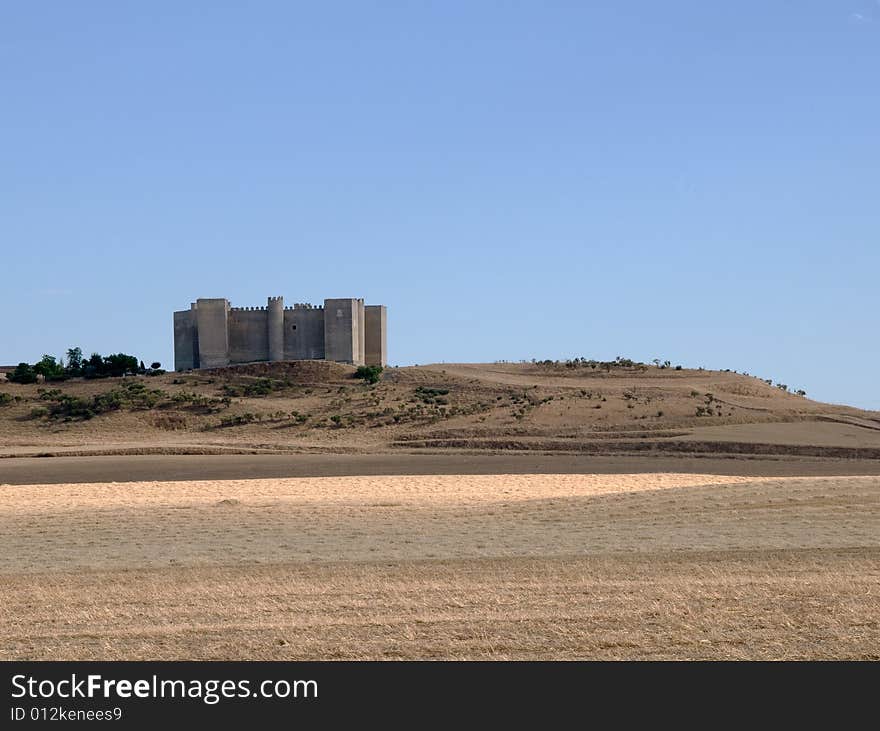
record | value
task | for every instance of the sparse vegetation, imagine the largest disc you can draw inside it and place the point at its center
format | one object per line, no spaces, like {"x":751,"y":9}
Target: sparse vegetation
{"x":407,"y":403}
{"x":132,"y":396}
{"x":432,"y":395}
{"x":238,"y":419}
{"x":256,"y":388}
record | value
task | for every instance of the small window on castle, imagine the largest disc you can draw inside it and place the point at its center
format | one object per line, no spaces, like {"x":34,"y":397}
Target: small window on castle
{"x":338,"y":313}
{"x":293,"y":328}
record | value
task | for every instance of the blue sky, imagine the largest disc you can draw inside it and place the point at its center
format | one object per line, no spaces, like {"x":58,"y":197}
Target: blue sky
{"x":684,"y":180}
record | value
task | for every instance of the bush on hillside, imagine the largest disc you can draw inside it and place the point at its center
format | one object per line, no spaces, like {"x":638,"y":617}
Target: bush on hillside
{"x":370,"y":374}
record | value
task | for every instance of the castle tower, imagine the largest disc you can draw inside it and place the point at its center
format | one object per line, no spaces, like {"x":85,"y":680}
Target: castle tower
{"x":341,"y":337}
{"x":186,"y":339}
{"x":376,"y":328}
{"x":213,"y":332}
{"x":275,"y":319}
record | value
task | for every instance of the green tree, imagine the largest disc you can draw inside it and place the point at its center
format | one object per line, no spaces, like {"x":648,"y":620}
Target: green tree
{"x":23,"y":373}
{"x":94,"y":367}
{"x":74,"y":361}
{"x":49,"y":368}
{"x":118,"y":364}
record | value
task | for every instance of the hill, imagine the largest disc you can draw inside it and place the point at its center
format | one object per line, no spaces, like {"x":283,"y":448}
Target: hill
{"x":545,"y":407}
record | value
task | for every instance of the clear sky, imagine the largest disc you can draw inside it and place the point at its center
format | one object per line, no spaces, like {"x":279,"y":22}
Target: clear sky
{"x":688,"y":180}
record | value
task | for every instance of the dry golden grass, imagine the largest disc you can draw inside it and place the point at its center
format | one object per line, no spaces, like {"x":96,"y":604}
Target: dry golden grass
{"x":481,"y":566}
{"x":694,"y":605}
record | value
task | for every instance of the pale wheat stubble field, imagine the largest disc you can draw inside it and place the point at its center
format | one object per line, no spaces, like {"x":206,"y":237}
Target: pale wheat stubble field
{"x":443,"y":566}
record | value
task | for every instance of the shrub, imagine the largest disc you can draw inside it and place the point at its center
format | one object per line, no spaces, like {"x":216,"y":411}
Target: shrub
{"x":133,"y":395}
{"x":256,"y":388}
{"x":298,"y":417}
{"x":5,"y":398}
{"x":238,"y":420}
{"x":433,"y":395}
{"x":370,"y":373}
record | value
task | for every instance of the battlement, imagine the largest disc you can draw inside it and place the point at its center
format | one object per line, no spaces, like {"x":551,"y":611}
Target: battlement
{"x":212,"y":333}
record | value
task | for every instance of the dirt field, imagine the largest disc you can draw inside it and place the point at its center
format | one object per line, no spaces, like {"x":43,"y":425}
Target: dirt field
{"x":178,"y":467}
{"x":481,"y":566}
{"x":531,"y":510}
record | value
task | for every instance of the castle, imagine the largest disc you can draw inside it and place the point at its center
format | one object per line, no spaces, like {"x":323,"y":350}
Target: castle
{"x":211,"y":334}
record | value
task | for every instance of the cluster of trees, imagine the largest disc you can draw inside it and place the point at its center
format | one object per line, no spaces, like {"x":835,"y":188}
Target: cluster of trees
{"x":618,"y":362}
{"x":96,"y":366}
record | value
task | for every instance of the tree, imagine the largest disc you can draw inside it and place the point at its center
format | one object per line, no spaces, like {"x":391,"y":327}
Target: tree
{"x":49,"y":368}
{"x":23,"y":373}
{"x":74,"y":361}
{"x":155,"y":365}
{"x":118,"y":364}
{"x":94,"y":367}
{"x":142,"y":368}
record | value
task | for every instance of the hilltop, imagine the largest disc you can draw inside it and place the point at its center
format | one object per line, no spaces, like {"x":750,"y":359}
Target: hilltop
{"x":317,"y":406}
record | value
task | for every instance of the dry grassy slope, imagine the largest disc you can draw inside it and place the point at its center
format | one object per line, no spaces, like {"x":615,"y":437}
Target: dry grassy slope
{"x":466,"y":406}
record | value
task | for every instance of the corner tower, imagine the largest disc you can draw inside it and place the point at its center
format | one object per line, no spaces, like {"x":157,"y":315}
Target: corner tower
{"x":341,"y":337}
{"x":213,"y":332}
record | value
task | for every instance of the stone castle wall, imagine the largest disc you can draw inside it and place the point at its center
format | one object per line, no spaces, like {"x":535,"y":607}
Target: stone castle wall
{"x":304,"y":333}
{"x":248,"y":335}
